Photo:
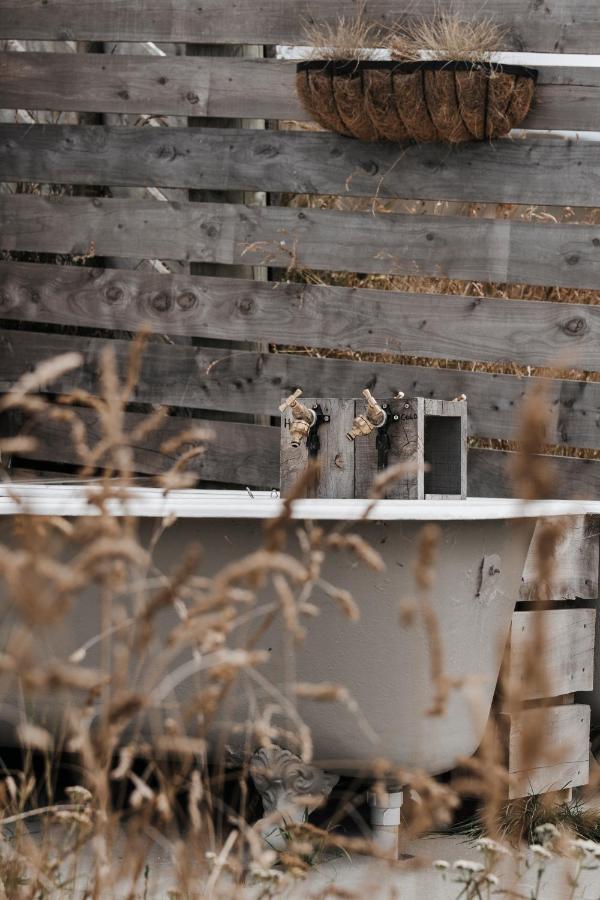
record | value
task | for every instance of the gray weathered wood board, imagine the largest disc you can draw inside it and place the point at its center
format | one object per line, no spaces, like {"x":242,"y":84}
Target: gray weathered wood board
{"x":563,"y":27}
{"x":335,"y":458}
{"x":238,"y":454}
{"x":567,"y":98}
{"x":489,"y":475}
{"x":405,"y":447}
{"x":249,"y":382}
{"x":431,"y":325}
{"x":564,"y":730}
{"x":567,"y":651}
{"x":445,"y":246}
{"x":576,"y":565}
{"x":510,"y":171}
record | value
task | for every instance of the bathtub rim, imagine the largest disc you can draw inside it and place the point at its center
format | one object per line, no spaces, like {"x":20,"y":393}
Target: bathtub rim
{"x":74,"y":500}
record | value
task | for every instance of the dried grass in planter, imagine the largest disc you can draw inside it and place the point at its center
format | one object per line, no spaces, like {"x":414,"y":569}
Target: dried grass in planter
{"x":434,"y":100}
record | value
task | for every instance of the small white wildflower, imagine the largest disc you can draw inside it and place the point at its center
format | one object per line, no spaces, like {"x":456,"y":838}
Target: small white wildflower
{"x":584,"y":846}
{"x":488,"y":845}
{"x":547,"y":830}
{"x":441,"y":864}
{"x":267,"y":858}
{"x":263,"y":874}
{"x":540,"y":851}
{"x":79,"y":794}
{"x":468,"y":865}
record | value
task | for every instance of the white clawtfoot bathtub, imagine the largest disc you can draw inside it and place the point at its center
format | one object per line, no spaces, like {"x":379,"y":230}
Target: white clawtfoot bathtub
{"x":383,"y":659}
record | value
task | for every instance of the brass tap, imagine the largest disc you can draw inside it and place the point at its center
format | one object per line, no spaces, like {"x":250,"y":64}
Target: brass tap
{"x":373,"y":418}
{"x":303,"y":418}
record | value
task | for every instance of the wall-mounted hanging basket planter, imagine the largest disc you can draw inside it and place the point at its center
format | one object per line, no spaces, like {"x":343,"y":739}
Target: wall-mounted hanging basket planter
{"x":422,"y":101}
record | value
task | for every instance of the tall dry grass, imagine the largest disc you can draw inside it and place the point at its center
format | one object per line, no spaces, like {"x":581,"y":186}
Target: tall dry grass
{"x":142,"y":775}
{"x":445,"y":35}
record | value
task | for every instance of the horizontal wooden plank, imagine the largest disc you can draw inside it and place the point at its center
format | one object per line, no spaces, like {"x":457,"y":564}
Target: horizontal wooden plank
{"x":302,"y":162}
{"x":489,"y":475}
{"x":567,"y":654}
{"x":238,"y":454}
{"x":250,"y":382}
{"x":561,"y":27}
{"x":253,"y":458}
{"x":445,"y":246}
{"x":430,"y":325}
{"x":567,"y":98}
{"x":576,"y":562}
{"x":564,"y":738}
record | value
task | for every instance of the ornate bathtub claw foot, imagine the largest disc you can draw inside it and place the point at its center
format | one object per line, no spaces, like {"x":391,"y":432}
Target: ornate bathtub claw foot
{"x":385,"y":809}
{"x":288,"y":787}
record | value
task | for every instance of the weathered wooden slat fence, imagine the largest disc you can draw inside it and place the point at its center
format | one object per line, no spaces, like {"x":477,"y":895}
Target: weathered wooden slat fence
{"x":233,"y":381}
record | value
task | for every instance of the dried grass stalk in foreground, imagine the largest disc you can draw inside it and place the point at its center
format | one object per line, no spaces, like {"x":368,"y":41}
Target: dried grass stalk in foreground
{"x":157,"y":630}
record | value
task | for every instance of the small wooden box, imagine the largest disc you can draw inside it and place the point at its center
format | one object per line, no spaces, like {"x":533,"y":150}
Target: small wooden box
{"x":432,"y":434}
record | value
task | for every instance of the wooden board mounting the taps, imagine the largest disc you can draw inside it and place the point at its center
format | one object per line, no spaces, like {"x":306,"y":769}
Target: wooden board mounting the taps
{"x":413,"y":448}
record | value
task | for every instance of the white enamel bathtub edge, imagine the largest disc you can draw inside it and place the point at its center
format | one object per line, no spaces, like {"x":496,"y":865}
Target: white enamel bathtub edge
{"x":75,"y":500}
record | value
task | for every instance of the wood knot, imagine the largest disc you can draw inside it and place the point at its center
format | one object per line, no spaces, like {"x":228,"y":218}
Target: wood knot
{"x":266,"y":150}
{"x":369,"y":167}
{"x":166,"y":152}
{"x":114,"y":294}
{"x":574,"y":326}
{"x":161,"y":302}
{"x":187,"y":300}
{"x":339,"y":461}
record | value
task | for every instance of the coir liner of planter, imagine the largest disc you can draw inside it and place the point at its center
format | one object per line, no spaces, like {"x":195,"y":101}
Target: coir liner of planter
{"x":421,"y":101}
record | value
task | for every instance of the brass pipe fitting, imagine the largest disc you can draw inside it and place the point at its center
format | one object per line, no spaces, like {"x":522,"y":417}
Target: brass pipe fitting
{"x":373,"y":418}
{"x":303,"y":418}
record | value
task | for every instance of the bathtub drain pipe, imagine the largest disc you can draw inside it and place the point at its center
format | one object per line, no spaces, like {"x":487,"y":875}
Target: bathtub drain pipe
{"x":385,"y":809}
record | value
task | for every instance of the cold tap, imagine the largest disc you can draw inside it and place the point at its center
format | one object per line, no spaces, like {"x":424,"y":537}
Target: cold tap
{"x":374,"y":417}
